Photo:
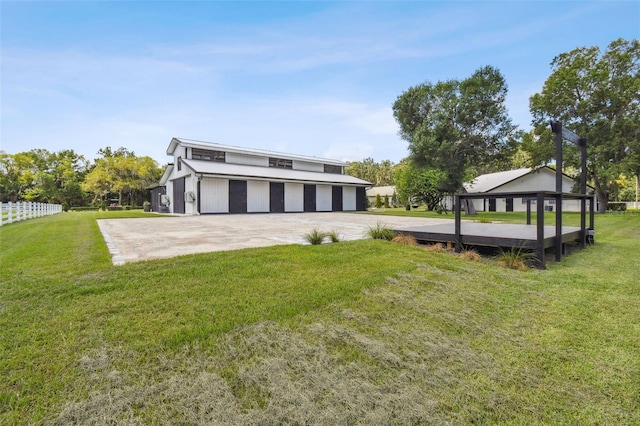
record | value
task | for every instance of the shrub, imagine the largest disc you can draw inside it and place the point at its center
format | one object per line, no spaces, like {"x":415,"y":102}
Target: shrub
{"x":515,"y":258}
{"x":377,"y":202}
{"x":405,"y":239}
{"x":381,"y":232}
{"x":386,"y":201}
{"x":84,"y":209}
{"x":315,"y":237}
{"x":617,"y":206}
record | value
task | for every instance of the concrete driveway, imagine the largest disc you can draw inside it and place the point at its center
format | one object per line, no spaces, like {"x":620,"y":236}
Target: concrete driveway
{"x":132,"y":240}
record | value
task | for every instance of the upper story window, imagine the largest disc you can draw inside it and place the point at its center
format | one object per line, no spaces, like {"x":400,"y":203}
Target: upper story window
{"x":280,"y":163}
{"x":179,"y":164}
{"x":207,"y":155}
{"x":330,"y":168}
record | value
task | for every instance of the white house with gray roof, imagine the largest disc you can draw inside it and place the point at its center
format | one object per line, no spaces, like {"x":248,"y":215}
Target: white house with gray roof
{"x":526,"y":179}
{"x":207,"y":177}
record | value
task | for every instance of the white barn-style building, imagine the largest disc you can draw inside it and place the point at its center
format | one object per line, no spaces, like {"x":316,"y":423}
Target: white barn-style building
{"x":526,"y":179}
{"x":207,"y":178}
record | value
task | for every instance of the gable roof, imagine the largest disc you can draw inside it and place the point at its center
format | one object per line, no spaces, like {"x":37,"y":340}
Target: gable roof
{"x":241,"y":150}
{"x":228,"y":170}
{"x":382,"y":190}
{"x":490,"y":181}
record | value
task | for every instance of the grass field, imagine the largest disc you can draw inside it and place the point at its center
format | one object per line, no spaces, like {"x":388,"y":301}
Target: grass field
{"x":361,"y":332}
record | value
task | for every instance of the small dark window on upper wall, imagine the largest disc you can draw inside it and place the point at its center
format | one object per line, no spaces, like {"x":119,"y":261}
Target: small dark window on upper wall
{"x":330,"y":168}
{"x":280,"y":163}
{"x":207,"y":155}
{"x":179,"y":163}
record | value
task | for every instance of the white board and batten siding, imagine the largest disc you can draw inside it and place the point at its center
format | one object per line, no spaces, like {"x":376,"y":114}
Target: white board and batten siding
{"x":293,"y":197}
{"x":257,"y":196}
{"x":349,"y":198}
{"x":246,"y":159}
{"x":214,"y":195}
{"x":324,"y":198}
{"x":307,"y":166}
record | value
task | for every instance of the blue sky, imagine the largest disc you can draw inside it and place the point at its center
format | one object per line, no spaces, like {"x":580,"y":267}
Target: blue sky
{"x":312,"y":78}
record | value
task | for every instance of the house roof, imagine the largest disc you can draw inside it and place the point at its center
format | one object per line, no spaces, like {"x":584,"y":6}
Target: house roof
{"x":382,"y":190}
{"x":491,"y":181}
{"x":484,"y":183}
{"x":241,"y":150}
{"x":227,"y":170}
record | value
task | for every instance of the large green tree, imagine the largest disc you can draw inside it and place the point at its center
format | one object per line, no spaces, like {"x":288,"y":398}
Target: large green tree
{"x":121,"y":172}
{"x":457,"y":126}
{"x":42,"y":176}
{"x":380,"y":174}
{"x":597,"y":96}
{"x":422,"y":185}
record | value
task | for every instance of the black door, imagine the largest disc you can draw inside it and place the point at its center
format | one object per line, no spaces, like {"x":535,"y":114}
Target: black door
{"x":276,"y":197}
{"x":336,"y":199}
{"x":237,"y":196}
{"x":492,"y":205}
{"x":509,"y":204}
{"x":178,"y":196}
{"x":361,"y":199}
{"x":309,"y":198}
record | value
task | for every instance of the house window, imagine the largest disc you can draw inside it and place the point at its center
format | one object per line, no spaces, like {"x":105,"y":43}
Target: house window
{"x":208,"y":155}
{"x":533,"y":200}
{"x":280,"y":163}
{"x":330,"y":168}
{"x":179,"y":163}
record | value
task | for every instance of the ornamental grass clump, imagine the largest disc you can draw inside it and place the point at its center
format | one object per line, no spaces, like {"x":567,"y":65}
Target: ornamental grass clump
{"x":517,"y":259}
{"x":435,"y":248}
{"x":471,"y":255}
{"x":381,"y":232}
{"x":315,"y":237}
{"x":406,"y":240}
{"x":333,"y":236}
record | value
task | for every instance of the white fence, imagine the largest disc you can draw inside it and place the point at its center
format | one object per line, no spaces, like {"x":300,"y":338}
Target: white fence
{"x":15,"y":212}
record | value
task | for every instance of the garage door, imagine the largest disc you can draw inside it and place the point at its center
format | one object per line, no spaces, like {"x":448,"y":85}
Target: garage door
{"x":293,"y":197}
{"x":348,"y":198}
{"x":257,"y":196}
{"x":323,"y":198}
{"x":214,"y":196}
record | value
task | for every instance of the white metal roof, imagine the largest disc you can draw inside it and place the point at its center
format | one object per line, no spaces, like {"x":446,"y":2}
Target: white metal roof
{"x":485,"y":183}
{"x":227,"y":170}
{"x":382,"y":190}
{"x":238,"y":149}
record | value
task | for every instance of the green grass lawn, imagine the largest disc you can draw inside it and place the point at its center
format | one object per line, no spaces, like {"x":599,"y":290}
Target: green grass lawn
{"x":367,"y":332}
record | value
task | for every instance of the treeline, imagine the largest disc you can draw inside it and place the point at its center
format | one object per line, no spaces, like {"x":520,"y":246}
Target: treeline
{"x":68,"y":178}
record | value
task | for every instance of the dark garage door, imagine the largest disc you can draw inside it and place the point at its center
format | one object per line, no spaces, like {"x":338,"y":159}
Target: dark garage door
{"x":237,"y":196}
{"x":309,"y":198}
{"x":178,"y":196}
{"x":276,"y":197}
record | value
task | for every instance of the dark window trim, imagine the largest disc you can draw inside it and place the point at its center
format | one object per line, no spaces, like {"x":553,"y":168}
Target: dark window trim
{"x":332,"y":168}
{"x":208,"y":155}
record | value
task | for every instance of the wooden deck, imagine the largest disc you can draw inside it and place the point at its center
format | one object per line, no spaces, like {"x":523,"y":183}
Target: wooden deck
{"x":497,"y":235}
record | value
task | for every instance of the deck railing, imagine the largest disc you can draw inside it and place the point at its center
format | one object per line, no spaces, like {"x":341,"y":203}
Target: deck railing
{"x":23,"y":210}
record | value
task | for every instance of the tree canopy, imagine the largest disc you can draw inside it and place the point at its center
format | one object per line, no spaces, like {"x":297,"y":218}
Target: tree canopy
{"x":379,"y":174}
{"x":121,"y":172}
{"x":42,"y":176}
{"x":422,"y":185}
{"x":457,"y":126}
{"x":66,"y":177}
{"x":596,"y":96}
